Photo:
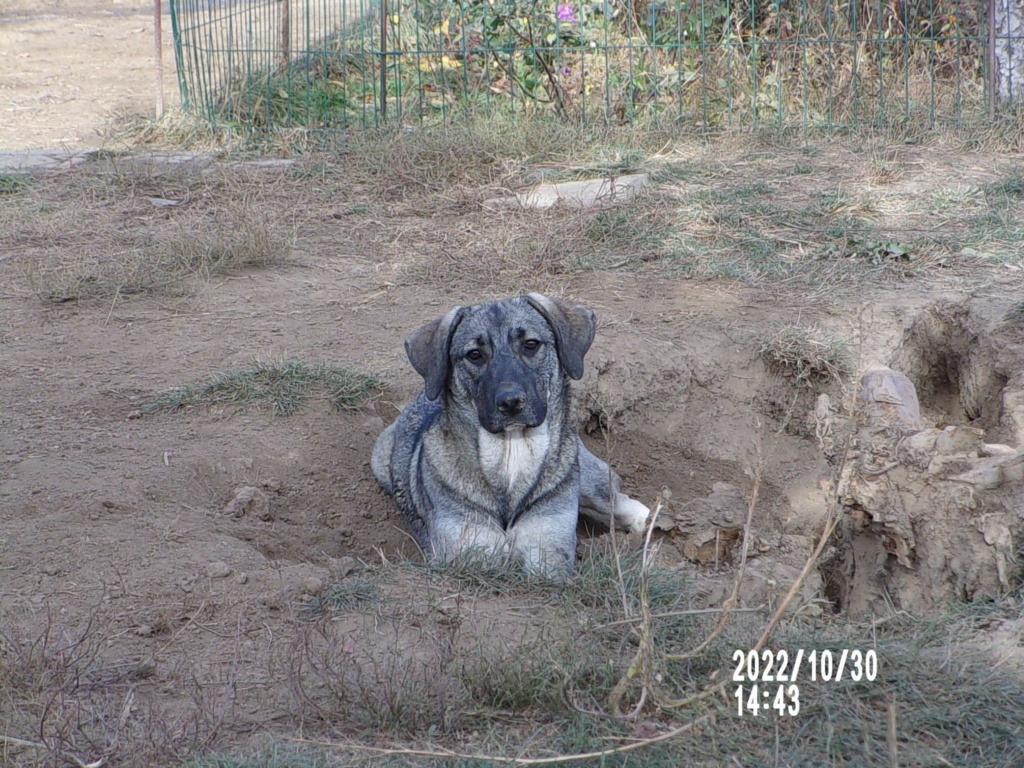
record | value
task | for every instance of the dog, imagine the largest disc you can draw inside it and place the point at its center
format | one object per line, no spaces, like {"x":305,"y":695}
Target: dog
{"x":485,"y":461}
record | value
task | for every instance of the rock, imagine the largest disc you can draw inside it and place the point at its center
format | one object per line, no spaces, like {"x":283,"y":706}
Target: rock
{"x":343,"y":566}
{"x":249,"y":500}
{"x":218,"y":570}
{"x":959,"y":440}
{"x":712,"y":546}
{"x":996,"y":449}
{"x":591,"y":193}
{"x":728,"y":506}
{"x":888,"y":399}
{"x":242,"y":578}
{"x":311,"y":585}
{"x":1013,"y":409}
{"x":146,"y":630}
{"x":664,"y":522}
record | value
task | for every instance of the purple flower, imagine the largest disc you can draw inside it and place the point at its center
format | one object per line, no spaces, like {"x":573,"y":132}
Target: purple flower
{"x":566,"y":13}
{"x":565,"y":71}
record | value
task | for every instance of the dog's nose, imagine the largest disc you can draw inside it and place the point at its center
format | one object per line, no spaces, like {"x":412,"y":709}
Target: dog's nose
{"x":510,"y":401}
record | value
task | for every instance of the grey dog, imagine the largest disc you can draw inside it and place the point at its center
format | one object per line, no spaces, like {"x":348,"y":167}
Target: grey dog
{"x":485,"y":462}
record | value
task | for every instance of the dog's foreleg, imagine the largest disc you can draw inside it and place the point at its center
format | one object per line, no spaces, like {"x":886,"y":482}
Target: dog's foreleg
{"x":468,"y":538}
{"x":601,"y":500}
{"x":544,"y":542}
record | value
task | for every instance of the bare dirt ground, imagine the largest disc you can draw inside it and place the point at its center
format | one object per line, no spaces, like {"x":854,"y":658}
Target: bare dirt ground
{"x":68,"y":66}
{"x":183,"y":623}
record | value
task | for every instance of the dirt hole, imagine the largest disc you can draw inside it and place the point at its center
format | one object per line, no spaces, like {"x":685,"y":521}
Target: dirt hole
{"x":952,"y":367}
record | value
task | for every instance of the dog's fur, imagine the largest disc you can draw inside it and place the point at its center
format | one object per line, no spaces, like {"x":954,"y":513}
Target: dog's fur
{"x":485,"y":460}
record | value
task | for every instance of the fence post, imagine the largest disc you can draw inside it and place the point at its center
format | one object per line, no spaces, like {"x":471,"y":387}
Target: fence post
{"x":383,"y":59}
{"x":286,"y":33}
{"x":159,"y":51}
{"x":990,"y":59}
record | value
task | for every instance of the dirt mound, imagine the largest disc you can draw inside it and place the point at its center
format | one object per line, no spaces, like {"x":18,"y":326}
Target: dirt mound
{"x":931,"y":491}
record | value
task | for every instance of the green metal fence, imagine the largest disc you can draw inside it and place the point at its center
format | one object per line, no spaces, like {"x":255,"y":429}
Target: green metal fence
{"x":333,"y":64}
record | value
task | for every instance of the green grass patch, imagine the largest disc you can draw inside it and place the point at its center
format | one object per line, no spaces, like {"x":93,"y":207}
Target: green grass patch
{"x":271,"y":756}
{"x":1006,"y":191}
{"x":996,"y":237}
{"x":283,"y":386}
{"x":354,"y":593}
{"x":13,"y":183}
{"x":1016,"y":313}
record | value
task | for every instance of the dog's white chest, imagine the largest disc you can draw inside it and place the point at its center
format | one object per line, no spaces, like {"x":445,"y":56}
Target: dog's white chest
{"x":512,"y":461}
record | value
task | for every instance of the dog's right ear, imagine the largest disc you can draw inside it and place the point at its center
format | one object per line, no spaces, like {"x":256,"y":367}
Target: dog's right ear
{"x":427,"y":349}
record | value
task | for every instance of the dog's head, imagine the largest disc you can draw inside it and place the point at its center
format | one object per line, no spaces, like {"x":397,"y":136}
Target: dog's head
{"x":503,"y":357}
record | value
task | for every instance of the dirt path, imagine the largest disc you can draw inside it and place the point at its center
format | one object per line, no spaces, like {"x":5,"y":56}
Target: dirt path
{"x":67,"y":66}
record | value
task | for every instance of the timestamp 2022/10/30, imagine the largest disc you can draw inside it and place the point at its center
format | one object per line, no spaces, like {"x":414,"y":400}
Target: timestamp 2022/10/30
{"x":767,"y":679}
{"x":771,"y":666}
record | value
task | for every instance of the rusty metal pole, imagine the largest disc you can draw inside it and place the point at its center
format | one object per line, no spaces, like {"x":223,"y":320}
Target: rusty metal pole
{"x":158,"y":50}
{"x":990,"y":61}
{"x":383,"y":59}
{"x":286,"y":33}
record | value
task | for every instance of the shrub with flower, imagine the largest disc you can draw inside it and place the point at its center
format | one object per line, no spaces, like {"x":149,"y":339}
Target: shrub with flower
{"x":526,"y":48}
{"x":566,"y":13}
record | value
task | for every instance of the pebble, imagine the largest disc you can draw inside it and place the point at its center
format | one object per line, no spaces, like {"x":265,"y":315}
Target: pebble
{"x":343,"y":566}
{"x":311,"y":585}
{"x":218,"y":570}
{"x":249,"y":500}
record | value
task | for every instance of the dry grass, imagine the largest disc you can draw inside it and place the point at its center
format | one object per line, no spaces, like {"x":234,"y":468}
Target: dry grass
{"x":808,"y":354}
{"x":817,"y":218}
{"x":118,"y":226}
{"x":162,"y":264}
{"x":396,"y":662}
{"x":455,"y":664}
{"x":65,"y":701}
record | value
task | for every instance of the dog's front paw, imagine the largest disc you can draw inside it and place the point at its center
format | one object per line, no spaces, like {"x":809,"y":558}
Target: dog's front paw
{"x":630,"y":513}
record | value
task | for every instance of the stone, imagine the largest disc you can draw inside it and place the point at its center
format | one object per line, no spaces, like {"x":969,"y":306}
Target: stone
{"x":249,"y":500}
{"x":590,"y":193}
{"x":311,"y":585}
{"x":218,"y":570}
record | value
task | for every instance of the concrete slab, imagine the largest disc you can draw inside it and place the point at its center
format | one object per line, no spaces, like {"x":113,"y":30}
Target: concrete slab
{"x":24,"y":160}
{"x":590,"y":193}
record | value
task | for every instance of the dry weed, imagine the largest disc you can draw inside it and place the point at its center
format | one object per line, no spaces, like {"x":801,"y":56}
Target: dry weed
{"x":808,"y":354}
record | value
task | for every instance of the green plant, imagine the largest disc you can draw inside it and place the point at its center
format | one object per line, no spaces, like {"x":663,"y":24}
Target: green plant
{"x":282,"y":385}
{"x":12,"y":183}
{"x":874,"y":252}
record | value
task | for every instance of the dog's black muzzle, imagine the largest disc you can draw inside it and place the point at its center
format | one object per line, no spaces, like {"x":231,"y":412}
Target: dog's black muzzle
{"x":509,"y":397}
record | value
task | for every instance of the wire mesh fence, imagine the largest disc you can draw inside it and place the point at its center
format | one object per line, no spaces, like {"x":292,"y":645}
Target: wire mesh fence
{"x":333,"y":64}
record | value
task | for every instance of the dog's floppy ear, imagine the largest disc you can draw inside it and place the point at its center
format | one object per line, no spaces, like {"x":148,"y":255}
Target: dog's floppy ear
{"x":574,"y":330}
{"x":427,"y":349}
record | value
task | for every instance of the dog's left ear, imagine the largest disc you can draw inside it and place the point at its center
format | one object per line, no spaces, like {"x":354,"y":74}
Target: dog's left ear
{"x":574,"y":330}
{"x":427,"y":349}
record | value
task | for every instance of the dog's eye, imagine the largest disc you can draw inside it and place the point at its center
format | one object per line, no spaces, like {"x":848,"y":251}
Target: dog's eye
{"x":531,"y":345}
{"x":475,"y":356}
